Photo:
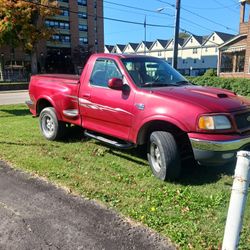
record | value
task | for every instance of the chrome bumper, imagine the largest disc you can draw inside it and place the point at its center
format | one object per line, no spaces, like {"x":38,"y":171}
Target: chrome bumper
{"x":231,"y":145}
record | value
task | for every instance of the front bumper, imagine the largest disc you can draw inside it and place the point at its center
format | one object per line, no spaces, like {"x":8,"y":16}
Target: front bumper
{"x":218,"y":152}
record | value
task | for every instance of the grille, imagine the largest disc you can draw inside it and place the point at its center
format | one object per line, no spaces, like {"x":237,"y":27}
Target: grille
{"x":243,"y":121}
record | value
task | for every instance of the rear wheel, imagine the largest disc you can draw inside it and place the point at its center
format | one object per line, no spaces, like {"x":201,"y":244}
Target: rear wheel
{"x":163,"y":155}
{"x":51,"y":128}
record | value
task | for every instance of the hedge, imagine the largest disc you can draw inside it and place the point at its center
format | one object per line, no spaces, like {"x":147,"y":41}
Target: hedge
{"x":241,"y":86}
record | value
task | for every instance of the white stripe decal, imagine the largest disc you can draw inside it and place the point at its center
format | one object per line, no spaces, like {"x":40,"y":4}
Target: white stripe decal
{"x":87,"y":104}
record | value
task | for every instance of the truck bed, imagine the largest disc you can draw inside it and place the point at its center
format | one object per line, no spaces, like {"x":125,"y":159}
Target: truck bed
{"x":62,"y":78}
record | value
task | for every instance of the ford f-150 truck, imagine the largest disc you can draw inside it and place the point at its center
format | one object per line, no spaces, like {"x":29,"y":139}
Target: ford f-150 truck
{"x":129,"y":100}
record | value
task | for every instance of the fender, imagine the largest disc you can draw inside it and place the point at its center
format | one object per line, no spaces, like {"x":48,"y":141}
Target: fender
{"x":50,"y":100}
{"x":137,"y":128}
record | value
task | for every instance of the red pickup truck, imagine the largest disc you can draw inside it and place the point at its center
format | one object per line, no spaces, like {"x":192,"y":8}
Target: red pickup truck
{"x":129,"y":100}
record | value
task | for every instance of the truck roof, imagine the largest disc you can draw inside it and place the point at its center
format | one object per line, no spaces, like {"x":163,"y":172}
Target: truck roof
{"x":112,"y":55}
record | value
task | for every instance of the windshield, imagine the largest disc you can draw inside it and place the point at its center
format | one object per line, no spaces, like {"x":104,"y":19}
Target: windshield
{"x":152,"y":72}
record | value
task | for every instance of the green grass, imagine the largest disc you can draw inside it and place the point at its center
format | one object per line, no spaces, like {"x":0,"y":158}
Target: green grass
{"x":191,"y":212}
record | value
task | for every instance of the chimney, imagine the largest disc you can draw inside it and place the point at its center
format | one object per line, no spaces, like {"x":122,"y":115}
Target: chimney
{"x":242,"y":10}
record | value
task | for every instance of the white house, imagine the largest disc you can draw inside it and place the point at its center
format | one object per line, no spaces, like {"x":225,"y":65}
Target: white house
{"x":130,"y":48}
{"x":118,"y":48}
{"x":196,"y":54}
{"x":143,"y":48}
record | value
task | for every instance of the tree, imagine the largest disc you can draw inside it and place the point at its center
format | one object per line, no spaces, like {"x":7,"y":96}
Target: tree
{"x":22,"y":23}
{"x":183,"y":35}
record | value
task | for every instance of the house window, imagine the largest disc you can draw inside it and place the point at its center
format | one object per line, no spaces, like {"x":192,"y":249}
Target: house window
{"x":61,"y":38}
{"x":82,"y":15}
{"x":83,"y":27}
{"x":83,"y":40}
{"x":82,"y":2}
{"x":57,"y":24}
{"x":206,"y":49}
{"x":191,"y":41}
{"x":216,"y":49}
{"x":195,"y":51}
{"x":240,"y":61}
{"x":213,"y":38}
{"x":159,"y":53}
{"x":64,"y":12}
{"x":226,"y":62}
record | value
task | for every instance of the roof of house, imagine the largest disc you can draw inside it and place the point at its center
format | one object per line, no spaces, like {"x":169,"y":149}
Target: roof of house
{"x":148,"y":44}
{"x":134,"y":45}
{"x":120,"y":46}
{"x":233,"y":39}
{"x":163,"y":42}
{"x":109,"y":47}
{"x":200,"y":39}
{"x":224,"y":36}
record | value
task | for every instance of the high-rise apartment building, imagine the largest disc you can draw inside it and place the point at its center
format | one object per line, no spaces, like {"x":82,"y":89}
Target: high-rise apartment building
{"x":80,"y":24}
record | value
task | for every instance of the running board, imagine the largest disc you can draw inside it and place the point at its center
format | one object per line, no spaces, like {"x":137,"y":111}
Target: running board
{"x":113,"y":143}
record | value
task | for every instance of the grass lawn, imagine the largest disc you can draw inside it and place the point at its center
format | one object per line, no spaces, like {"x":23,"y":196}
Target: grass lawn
{"x":191,"y":212}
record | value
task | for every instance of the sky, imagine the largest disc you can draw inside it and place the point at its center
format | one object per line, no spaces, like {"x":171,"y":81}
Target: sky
{"x":199,"y":17}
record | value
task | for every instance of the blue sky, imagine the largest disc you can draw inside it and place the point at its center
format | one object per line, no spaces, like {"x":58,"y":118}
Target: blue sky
{"x":207,"y":16}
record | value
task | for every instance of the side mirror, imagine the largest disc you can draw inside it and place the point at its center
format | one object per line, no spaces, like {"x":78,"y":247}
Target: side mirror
{"x":115,"y":83}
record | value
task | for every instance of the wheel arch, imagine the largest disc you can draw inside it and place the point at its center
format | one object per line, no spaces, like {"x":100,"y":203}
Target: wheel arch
{"x":45,"y":102}
{"x":157,"y":125}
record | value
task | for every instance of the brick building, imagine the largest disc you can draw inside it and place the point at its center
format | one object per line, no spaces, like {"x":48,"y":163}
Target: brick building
{"x":79,"y":24}
{"x":234,"y":55}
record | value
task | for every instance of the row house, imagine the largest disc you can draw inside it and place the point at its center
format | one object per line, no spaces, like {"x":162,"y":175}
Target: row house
{"x":196,"y":54}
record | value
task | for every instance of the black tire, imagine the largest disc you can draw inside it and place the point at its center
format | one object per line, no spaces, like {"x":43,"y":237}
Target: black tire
{"x":51,"y":128}
{"x":163,"y":156}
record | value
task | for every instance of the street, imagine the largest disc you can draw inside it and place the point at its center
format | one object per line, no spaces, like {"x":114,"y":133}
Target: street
{"x":13,"y":97}
{"x":37,"y":215}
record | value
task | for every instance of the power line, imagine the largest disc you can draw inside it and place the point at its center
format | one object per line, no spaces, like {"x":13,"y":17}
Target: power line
{"x":225,"y":6}
{"x":198,"y":15}
{"x":129,"y":11}
{"x":213,"y":8}
{"x":136,"y":8}
{"x":102,"y":17}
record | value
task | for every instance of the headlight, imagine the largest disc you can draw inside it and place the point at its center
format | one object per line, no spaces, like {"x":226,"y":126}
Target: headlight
{"x":212,"y":122}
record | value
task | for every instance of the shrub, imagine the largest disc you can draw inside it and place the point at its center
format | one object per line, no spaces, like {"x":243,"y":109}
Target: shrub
{"x":210,"y":72}
{"x":241,"y":86}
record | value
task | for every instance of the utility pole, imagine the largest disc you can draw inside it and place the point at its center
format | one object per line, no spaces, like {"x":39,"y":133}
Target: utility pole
{"x":145,"y":34}
{"x":176,"y":33}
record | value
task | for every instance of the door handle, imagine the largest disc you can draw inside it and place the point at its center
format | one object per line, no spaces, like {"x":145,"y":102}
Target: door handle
{"x":86,"y":95}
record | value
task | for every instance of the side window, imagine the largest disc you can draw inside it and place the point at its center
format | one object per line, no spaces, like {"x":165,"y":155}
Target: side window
{"x":104,"y":70}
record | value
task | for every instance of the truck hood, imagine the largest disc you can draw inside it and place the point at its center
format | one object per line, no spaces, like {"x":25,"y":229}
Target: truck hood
{"x":210,"y":99}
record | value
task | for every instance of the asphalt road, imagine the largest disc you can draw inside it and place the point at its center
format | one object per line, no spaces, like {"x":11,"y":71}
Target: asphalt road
{"x":13,"y":97}
{"x":37,"y":215}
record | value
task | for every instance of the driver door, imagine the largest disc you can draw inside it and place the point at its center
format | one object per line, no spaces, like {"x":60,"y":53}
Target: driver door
{"x":108,"y":111}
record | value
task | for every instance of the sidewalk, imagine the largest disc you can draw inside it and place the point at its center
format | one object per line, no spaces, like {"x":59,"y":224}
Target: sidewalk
{"x":13,"y":97}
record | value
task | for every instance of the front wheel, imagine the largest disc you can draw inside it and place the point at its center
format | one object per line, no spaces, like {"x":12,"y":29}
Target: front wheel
{"x":163,"y":156}
{"x":51,"y":128}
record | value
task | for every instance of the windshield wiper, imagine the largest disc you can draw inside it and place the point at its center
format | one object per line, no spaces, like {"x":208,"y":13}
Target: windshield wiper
{"x":184,"y":82}
{"x":155,"y":84}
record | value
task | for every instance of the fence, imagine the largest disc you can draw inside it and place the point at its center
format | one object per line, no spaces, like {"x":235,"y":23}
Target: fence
{"x":14,"y":74}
